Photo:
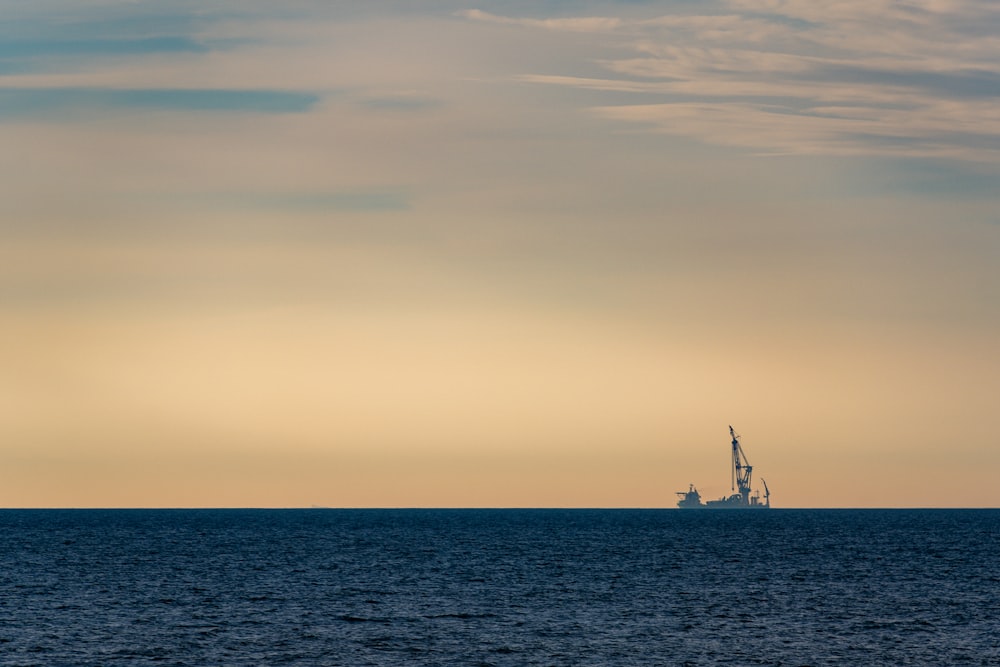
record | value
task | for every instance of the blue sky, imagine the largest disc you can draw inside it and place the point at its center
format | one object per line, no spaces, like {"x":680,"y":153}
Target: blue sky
{"x":457,"y":248}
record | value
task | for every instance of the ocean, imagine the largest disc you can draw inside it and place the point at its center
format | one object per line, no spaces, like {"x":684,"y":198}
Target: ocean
{"x":499,"y":587}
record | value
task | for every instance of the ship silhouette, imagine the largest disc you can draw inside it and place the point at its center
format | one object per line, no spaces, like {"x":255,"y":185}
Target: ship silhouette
{"x":741,"y":498}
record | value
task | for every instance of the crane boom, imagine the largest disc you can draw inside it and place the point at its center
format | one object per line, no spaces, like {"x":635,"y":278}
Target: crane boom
{"x":742,"y":470}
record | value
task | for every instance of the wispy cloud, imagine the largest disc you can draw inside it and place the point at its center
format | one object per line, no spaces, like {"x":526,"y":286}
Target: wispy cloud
{"x":298,"y":202}
{"x":915,"y":78}
{"x":101,"y":56}
{"x":576,"y":24}
{"x":402,"y":101}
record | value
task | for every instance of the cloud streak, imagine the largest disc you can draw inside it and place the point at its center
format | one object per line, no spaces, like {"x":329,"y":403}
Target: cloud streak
{"x":50,"y":48}
{"x":577,"y":24}
{"x":22,"y":102}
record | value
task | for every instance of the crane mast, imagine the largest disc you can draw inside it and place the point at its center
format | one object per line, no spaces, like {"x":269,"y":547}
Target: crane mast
{"x":742,"y":470}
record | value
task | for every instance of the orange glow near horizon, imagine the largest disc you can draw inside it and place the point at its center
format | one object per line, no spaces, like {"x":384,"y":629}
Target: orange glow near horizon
{"x":300,"y":407}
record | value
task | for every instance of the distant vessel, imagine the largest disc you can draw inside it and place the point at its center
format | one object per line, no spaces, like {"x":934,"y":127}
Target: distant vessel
{"x":741,"y":497}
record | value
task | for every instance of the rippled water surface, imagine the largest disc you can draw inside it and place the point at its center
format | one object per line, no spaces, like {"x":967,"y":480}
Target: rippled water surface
{"x":499,"y":587}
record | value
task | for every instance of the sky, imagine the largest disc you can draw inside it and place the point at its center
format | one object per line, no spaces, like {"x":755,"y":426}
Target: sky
{"x":513,"y":254}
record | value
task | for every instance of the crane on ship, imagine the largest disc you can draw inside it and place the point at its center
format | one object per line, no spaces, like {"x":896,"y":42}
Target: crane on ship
{"x":740,"y":495}
{"x":742,"y":470}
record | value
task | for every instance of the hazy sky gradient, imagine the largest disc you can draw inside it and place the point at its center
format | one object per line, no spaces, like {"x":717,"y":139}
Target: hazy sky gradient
{"x":515,"y":254}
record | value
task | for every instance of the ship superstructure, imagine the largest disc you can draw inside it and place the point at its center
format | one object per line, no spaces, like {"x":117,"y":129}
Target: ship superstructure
{"x":742,"y":496}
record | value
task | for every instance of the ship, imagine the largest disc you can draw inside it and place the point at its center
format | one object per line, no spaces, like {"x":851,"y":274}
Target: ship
{"x":742,"y":497}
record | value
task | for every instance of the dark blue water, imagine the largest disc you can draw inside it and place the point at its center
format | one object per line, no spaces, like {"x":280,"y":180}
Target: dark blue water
{"x":499,"y":587}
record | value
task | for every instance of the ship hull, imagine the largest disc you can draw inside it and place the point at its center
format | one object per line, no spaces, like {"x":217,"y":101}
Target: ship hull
{"x":710,"y":506}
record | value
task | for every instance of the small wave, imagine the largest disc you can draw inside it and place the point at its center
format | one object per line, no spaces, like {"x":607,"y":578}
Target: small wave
{"x":347,"y":618}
